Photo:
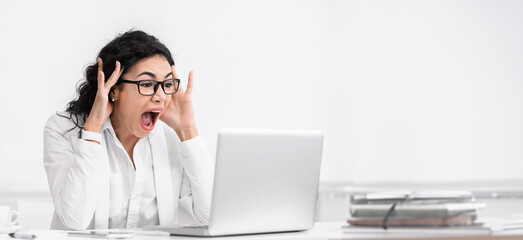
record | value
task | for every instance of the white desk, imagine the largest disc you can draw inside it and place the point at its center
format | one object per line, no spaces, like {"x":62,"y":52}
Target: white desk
{"x":322,"y":230}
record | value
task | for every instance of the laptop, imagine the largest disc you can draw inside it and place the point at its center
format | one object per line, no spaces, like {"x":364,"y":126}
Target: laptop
{"x":265,"y":181}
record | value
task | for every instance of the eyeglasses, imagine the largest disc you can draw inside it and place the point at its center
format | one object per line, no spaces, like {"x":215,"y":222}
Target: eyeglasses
{"x":149,"y":87}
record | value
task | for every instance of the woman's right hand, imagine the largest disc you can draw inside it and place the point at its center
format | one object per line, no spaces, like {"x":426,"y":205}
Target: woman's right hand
{"x":102,"y":108}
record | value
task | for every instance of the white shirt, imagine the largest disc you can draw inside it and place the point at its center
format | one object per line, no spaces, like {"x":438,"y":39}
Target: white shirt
{"x":95,"y":186}
{"x":132,"y":192}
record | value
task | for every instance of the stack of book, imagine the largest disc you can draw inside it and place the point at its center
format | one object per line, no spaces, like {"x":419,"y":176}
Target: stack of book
{"x":448,"y":208}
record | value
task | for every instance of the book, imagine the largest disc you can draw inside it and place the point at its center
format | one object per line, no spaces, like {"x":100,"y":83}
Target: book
{"x":462,"y":220}
{"x":407,"y":209}
{"x":476,"y":229}
{"x":482,"y":226}
{"x":413,"y":196}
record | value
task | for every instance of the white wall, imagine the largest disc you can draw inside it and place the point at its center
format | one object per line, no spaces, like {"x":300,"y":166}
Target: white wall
{"x":424,"y":90}
{"x":404,"y":90}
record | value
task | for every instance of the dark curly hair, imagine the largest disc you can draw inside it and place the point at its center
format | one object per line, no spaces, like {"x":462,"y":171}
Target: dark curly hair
{"x":127,"y":48}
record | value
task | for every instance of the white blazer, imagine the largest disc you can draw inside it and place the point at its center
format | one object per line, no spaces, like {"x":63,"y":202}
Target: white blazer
{"x":78,"y":176}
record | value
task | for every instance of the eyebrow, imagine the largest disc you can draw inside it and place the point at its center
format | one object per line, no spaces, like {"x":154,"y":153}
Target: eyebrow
{"x":153,"y":75}
{"x":147,"y":73}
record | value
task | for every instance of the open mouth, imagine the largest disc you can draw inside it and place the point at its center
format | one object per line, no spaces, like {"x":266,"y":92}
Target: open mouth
{"x":148,"y":119}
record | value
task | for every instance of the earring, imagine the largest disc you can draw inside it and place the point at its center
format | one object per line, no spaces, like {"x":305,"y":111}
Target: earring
{"x":112,"y":99}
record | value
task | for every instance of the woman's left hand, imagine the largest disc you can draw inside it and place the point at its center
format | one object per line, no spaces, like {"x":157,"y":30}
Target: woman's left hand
{"x":179,"y":114}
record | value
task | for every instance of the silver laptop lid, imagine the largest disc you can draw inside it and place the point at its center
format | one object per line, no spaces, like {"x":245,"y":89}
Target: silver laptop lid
{"x":265,"y":181}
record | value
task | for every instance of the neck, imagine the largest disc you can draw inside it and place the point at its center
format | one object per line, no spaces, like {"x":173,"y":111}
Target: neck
{"x":123,"y":134}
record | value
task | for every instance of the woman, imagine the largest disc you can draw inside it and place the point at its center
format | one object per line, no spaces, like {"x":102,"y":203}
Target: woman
{"x":110,"y":163}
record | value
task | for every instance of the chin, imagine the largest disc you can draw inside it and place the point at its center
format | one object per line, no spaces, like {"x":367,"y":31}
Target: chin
{"x":141,"y":134}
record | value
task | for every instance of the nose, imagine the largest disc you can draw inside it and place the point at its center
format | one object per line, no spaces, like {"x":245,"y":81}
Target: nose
{"x":159,"y":96}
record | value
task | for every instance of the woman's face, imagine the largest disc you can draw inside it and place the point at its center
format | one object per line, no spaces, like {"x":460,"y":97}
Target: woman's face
{"x":135,"y":112}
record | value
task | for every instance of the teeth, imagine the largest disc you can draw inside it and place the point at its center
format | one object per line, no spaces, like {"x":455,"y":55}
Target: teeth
{"x":156,"y":111}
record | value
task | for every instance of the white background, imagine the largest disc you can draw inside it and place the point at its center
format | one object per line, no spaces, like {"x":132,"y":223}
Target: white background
{"x":403,"y":90}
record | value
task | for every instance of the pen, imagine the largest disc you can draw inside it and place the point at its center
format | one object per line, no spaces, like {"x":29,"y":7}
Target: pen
{"x":22,"y":235}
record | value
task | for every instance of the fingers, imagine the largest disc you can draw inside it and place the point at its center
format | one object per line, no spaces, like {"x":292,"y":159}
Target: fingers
{"x":175,"y":74}
{"x":117,"y":72}
{"x":100,"y":65}
{"x":190,"y":82}
{"x":101,"y":79}
{"x":114,"y":76}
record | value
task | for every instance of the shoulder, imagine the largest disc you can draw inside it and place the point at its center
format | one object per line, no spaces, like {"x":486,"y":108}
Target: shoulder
{"x":63,"y":123}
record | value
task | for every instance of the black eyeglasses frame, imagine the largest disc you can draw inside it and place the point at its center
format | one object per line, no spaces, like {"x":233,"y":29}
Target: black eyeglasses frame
{"x":158,"y":83}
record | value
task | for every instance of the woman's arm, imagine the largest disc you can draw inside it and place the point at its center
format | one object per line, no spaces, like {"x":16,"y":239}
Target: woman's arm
{"x":196,"y":186}
{"x":72,"y":169}
{"x":74,"y":166}
{"x":196,"y":189}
